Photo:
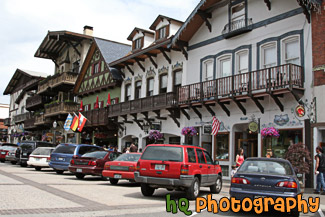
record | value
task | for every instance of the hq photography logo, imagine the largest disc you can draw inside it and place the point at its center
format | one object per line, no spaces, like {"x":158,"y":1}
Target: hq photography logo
{"x":257,"y":205}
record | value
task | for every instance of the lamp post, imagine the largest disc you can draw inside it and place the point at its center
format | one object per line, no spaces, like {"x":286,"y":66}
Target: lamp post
{"x":54,"y":136}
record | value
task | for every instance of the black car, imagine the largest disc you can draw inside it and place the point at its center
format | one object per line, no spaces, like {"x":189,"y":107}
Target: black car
{"x":26,"y":148}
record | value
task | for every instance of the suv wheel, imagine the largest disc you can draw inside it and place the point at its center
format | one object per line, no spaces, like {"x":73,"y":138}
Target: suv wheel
{"x":113,"y":181}
{"x":80,"y":175}
{"x":216,"y":188}
{"x":194,"y":190}
{"x":23,"y":164}
{"x":59,"y":171}
{"x":2,"y":161}
{"x":146,"y":190}
{"x":38,"y":168}
{"x":13,"y":162}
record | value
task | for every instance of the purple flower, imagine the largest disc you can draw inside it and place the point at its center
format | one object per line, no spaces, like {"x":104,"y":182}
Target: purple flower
{"x":270,"y":132}
{"x":190,"y":131}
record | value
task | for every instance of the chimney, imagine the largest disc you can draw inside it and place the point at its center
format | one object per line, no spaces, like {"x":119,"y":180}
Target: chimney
{"x":88,"y":30}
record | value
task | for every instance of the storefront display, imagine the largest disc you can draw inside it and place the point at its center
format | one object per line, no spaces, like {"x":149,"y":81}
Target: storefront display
{"x":222,"y":146}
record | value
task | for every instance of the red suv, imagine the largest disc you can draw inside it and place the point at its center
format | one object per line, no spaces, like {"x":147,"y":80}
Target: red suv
{"x":177,"y":167}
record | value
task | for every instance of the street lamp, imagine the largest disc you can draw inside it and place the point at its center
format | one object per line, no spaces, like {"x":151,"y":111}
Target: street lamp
{"x":54,"y":136}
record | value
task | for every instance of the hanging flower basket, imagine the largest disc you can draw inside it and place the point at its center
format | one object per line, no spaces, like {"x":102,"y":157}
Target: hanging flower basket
{"x":270,"y":132}
{"x":155,"y":135}
{"x":189,"y":131}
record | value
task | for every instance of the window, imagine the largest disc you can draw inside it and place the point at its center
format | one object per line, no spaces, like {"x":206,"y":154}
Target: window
{"x":127,"y":92}
{"x":162,"y":32}
{"x":150,"y":86}
{"x":242,"y":62}
{"x":269,"y":56}
{"x":137,"y":94}
{"x":96,"y":68}
{"x":191,"y":155}
{"x":238,"y":12}
{"x":177,"y":80}
{"x":138,"y":43}
{"x":222,"y":147}
{"x":200,"y":156}
{"x":163,"y":83}
{"x":208,"y":158}
{"x":225,"y":66}
{"x":291,"y":51}
{"x":207,"y":70}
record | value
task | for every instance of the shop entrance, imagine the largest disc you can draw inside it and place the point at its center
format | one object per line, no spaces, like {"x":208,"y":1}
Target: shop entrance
{"x":246,"y":140}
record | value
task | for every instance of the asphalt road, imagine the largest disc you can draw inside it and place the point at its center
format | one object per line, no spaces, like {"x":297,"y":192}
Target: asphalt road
{"x":26,"y":192}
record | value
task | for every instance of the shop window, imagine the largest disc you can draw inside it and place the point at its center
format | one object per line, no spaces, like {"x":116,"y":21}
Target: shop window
{"x":175,"y":140}
{"x":137,"y":90}
{"x":207,"y":70}
{"x":222,"y":147}
{"x":268,"y":56}
{"x":127,"y":92}
{"x":291,"y":50}
{"x":163,"y":83}
{"x":150,"y":86}
{"x":225,"y":170}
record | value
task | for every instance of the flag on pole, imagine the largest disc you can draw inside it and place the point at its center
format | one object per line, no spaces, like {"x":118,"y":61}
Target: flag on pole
{"x":68,"y":122}
{"x":82,"y":121}
{"x":215,"y":126}
{"x":81,"y":109}
{"x":96,"y":106}
{"x":108,"y":99}
{"x":75,"y":123}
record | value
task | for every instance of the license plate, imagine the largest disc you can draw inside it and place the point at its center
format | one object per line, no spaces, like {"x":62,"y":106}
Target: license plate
{"x":37,"y":159}
{"x":3,"y":152}
{"x":159,"y":167}
{"x":24,"y":154}
{"x":117,"y":176}
{"x":60,"y":158}
{"x":79,"y":170}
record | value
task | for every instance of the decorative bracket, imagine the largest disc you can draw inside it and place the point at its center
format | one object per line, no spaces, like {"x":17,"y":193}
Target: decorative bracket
{"x":224,"y":108}
{"x":268,"y":4}
{"x":165,"y":55}
{"x":173,"y":115}
{"x":152,"y":60}
{"x":207,"y":106}
{"x":204,"y":15}
{"x":197,"y":112}
{"x":240,"y":106}
{"x":182,"y":45}
{"x":157,"y":112}
{"x":277,"y":101}
{"x":305,"y":10}
{"x":130,"y":70}
{"x":138,"y":122}
{"x":185,"y":114}
{"x":257,"y":103}
{"x":140,"y":65}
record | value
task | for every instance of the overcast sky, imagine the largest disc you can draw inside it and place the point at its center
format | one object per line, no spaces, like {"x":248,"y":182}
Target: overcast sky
{"x":24,"y":24}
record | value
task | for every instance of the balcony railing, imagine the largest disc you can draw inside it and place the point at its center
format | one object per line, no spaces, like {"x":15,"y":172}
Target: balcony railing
{"x":41,"y":120}
{"x":96,"y":117}
{"x":35,"y":102}
{"x":21,"y":117}
{"x":161,"y":101}
{"x":7,"y":122}
{"x":61,"y":108}
{"x":30,"y":123}
{"x":237,"y":27}
{"x":268,"y":79}
{"x":65,"y":78}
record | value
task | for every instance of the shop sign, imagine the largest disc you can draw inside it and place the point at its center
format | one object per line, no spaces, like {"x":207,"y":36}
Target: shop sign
{"x":300,"y":111}
{"x":207,"y":129}
{"x":101,"y":135}
{"x":253,"y":126}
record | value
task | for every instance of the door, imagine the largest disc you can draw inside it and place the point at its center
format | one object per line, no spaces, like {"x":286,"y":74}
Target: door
{"x":249,"y":146}
{"x":212,"y":176}
{"x":202,"y":165}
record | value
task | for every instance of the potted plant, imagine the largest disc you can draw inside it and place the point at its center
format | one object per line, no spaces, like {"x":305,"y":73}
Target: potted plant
{"x":189,"y":132}
{"x":299,"y":156}
{"x":268,"y":133}
{"x":155,"y":135}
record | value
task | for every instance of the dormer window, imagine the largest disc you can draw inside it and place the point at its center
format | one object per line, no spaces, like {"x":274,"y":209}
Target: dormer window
{"x":138,"y":43}
{"x":163,"y":32}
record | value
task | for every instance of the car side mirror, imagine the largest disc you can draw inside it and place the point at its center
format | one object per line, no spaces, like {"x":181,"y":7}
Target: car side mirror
{"x":216,"y":162}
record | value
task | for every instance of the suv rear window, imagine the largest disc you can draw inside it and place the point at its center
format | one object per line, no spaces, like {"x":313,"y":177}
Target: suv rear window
{"x":163,"y":153}
{"x":85,"y":149}
{"x":42,"y":151}
{"x":129,"y":157}
{"x":65,"y":149}
{"x":266,"y":167}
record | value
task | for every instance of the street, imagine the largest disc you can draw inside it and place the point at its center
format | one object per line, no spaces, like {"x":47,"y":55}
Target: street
{"x":26,"y":192}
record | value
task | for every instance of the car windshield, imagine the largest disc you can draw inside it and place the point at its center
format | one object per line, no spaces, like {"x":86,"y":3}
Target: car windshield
{"x":42,"y":151}
{"x":163,"y":153}
{"x":7,"y":148}
{"x":26,"y":146}
{"x":266,"y":167}
{"x":128,"y":157}
{"x":96,"y":154}
{"x":65,"y":149}
{"x":86,"y":149}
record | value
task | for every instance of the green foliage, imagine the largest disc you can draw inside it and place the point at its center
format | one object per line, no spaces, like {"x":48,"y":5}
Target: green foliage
{"x":299,"y":157}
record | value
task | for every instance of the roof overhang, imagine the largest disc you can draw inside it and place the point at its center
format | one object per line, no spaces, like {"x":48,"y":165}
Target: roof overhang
{"x":137,"y":30}
{"x":160,"y":18}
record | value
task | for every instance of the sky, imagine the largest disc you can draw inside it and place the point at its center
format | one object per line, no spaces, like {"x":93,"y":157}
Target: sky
{"x":24,"y":24}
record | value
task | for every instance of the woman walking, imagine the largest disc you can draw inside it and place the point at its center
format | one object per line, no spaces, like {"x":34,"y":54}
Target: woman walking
{"x":240,"y":157}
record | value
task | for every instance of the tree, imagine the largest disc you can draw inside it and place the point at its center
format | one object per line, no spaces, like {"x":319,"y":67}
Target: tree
{"x":299,"y":156}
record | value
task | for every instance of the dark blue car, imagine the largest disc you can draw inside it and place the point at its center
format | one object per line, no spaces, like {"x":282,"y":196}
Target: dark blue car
{"x":265,"y":177}
{"x":63,"y":153}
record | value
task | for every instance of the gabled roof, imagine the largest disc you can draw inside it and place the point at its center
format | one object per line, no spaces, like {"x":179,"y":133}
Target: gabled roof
{"x":19,"y":73}
{"x":110,"y":51}
{"x":160,"y":18}
{"x":55,"y":41}
{"x":137,"y":30}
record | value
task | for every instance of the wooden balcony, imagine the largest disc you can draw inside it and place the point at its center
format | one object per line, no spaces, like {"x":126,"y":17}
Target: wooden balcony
{"x":161,"y":101}
{"x":61,"y":108}
{"x":273,"y":81}
{"x":96,"y":117}
{"x":35,"y":102}
{"x":237,"y":27}
{"x":21,"y":117}
{"x":29,"y":124}
{"x":41,"y":120}
{"x":7,"y":122}
{"x":63,"y":81}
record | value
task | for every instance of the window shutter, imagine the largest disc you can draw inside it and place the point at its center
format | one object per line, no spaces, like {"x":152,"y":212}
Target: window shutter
{"x":92,"y":69}
{"x":116,"y":100}
{"x":167,"y":31}
{"x":157,"y":34}
{"x":99,"y":66}
{"x":142,"y":42}
{"x":133,"y":45}
{"x":101,"y":104}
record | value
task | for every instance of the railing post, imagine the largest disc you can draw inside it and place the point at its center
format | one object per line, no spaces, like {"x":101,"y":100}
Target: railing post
{"x":250,"y":82}
{"x":216,"y":81}
{"x":188,"y":96}
{"x":232,"y":84}
{"x":269,"y":80}
{"x":201,"y":91}
{"x":290,"y":76}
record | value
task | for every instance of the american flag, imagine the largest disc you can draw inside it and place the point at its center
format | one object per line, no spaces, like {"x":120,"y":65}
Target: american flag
{"x":215,"y":126}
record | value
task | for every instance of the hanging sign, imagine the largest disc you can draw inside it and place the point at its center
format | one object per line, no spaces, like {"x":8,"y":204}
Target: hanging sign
{"x":253,"y":126}
{"x":300,"y":111}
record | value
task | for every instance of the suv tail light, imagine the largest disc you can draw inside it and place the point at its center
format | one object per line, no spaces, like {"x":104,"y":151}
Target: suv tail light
{"x":240,"y":181}
{"x":131,"y":168}
{"x":92,"y":163}
{"x":286,"y":184}
{"x":72,"y":162}
{"x":184,"y":169}
{"x":7,"y":153}
{"x":137,"y":168}
{"x":107,"y":166}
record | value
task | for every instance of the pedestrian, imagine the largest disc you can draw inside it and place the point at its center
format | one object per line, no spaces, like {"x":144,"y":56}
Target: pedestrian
{"x":140,"y":150}
{"x":127,"y":150}
{"x":124,"y":150}
{"x":233,"y":170}
{"x":133,"y":148}
{"x":240,"y":157}
{"x":320,"y":170}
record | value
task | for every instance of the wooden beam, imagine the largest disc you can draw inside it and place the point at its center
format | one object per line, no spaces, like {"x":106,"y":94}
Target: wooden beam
{"x":305,"y":10}
{"x":130,"y":70}
{"x":174,"y":116}
{"x":197,"y":112}
{"x":165,"y":55}
{"x":138,"y":122}
{"x":258,"y":104}
{"x":209,"y":109}
{"x":140,"y":65}
{"x":224,"y":108}
{"x":268,"y":4}
{"x":146,"y":117}
{"x":240,"y":106}
{"x":277,"y":101}
{"x":185,"y":114}
{"x":153,"y":62}
{"x":204,"y":15}
{"x":182,"y":45}
{"x":74,"y":47}
{"x":296,"y":93}
{"x":158,"y":115}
